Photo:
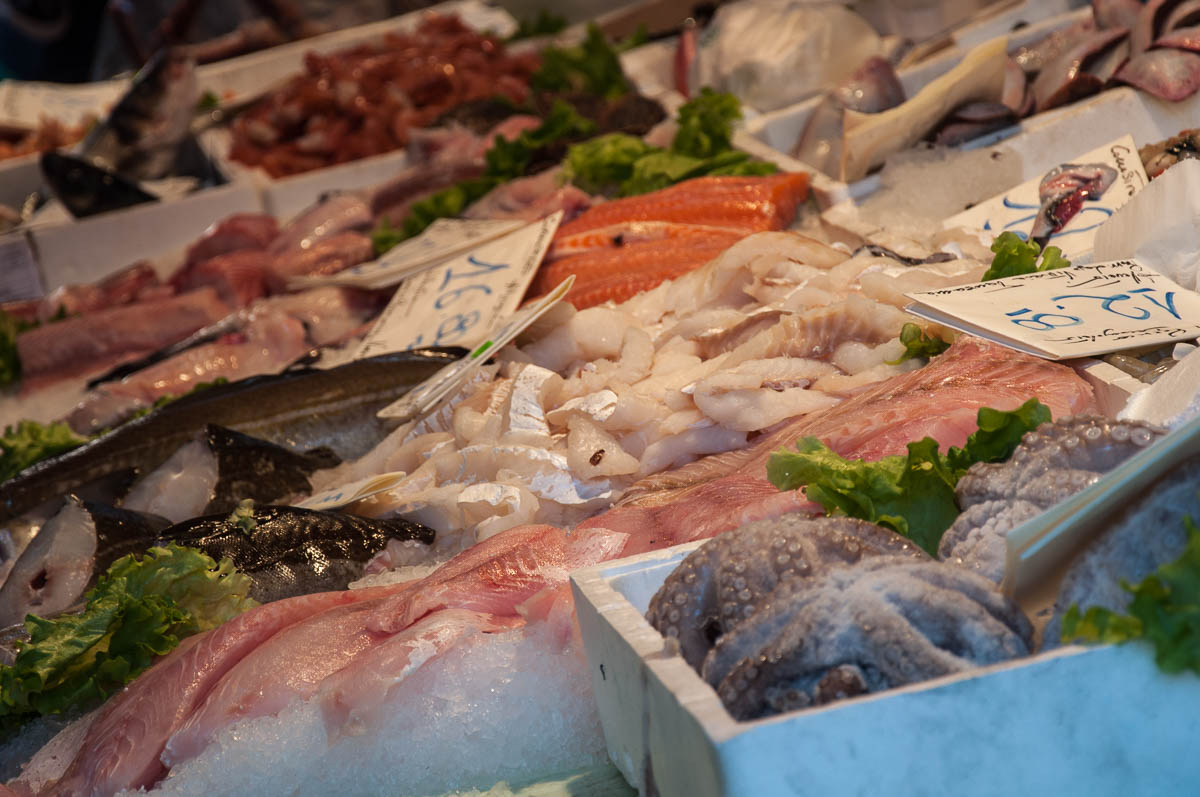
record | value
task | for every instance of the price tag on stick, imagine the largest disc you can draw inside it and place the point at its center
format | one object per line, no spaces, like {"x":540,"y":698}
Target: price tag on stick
{"x":425,"y":397}
{"x":456,"y":303}
{"x":1083,"y":311}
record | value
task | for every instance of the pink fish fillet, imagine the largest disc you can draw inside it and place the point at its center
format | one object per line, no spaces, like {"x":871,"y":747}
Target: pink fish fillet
{"x":941,"y":401}
{"x":122,"y":747}
{"x":80,"y":343}
{"x":353,"y":699}
{"x":233,"y":233}
{"x":498,"y":574}
{"x":270,"y":343}
{"x":290,"y":664}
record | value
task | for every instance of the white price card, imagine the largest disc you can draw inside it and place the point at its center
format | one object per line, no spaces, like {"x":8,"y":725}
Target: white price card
{"x":355,"y":491}
{"x":457,"y":303}
{"x":425,"y":397}
{"x":1082,"y":311}
{"x":24,"y":104}
{"x":441,"y":241}
{"x":1118,"y":174}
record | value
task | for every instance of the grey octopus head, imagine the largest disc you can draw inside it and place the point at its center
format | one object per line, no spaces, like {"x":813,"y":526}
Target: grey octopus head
{"x":882,"y":623}
{"x":724,"y":581}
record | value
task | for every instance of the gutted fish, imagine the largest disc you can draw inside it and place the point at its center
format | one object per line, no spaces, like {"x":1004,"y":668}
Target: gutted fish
{"x":1063,"y":191}
{"x":221,"y":468}
{"x":61,"y":562}
{"x":85,"y":189}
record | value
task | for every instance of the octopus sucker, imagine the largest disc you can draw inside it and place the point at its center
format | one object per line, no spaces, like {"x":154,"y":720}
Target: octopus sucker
{"x":726,"y":581}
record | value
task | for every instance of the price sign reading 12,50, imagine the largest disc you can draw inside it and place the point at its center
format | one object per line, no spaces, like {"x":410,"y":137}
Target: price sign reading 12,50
{"x":458,"y":302}
{"x":1072,"y":312}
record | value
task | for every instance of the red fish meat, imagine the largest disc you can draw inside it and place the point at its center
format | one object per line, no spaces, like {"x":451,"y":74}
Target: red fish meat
{"x":93,"y":340}
{"x":941,"y":400}
{"x":600,"y":275}
{"x":750,"y":203}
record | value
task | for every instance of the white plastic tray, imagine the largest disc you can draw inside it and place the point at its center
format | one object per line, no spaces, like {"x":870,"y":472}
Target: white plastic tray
{"x":1095,"y":721}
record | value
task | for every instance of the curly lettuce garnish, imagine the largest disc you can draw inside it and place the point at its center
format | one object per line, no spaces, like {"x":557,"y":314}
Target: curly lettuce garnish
{"x":31,"y":442}
{"x":911,"y":494}
{"x":918,"y":344}
{"x":1015,"y":256}
{"x":139,"y":610}
{"x":1165,"y":611}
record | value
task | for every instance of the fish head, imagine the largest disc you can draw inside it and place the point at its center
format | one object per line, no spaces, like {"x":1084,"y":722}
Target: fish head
{"x":86,"y":189}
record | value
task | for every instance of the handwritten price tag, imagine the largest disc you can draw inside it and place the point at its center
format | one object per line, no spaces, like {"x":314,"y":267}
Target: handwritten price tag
{"x":1071,"y":312}
{"x":458,"y":302}
{"x":1017,"y":209}
{"x":425,"y":397}
{"x":24,"y":104}
{"x":441,"y":241}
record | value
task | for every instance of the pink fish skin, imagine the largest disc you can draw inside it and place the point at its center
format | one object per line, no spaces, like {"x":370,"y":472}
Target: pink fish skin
{"x":498,"y":574}
{"x":352,"y":700}
{"x":269,"y":343}
{"x":134,"y":329}
{"x":122,"y":747}
{"x":941,"y":401}
{"x":234,"y":233}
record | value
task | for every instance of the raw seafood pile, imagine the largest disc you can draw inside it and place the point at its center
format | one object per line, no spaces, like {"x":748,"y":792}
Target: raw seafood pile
{"x":775,"y":328}
{"x":365,"y":100}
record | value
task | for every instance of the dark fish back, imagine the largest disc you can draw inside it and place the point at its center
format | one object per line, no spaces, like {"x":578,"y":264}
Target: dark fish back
{"x":300,"y":408}
{"x":122,"y":531}
{"x":293,"y":551}
{"x":258,"y":470}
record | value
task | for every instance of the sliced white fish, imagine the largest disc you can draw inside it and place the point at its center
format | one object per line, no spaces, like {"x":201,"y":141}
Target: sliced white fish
{"x":54,"y":568}
{"x":180,"y":488}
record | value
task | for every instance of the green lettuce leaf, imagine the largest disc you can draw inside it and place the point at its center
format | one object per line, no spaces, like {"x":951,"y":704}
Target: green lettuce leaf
{"x":139,"y":610}
{"x":31,"y":442}
{"x":911,"y":494}
{"x":1165,"y":611}
{"x":592,"y":67}
{"x":1014,"y":256}
{"x":544,"y":24}
{"x":385,"y":236}
{"x":918,"y":344}
{"x":706,"y":124}
{"x":602,"y":164}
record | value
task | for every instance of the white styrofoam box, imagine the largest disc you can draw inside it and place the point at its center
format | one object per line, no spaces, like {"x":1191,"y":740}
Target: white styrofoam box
{"x":1096,"y":721}
{"x":19,"y":177}
{"x":1007,"y":19}
{"x":246,"y":76}
{"x":94,"y":247}
{"x":1111,"y":386}
{"x":781,"y":129}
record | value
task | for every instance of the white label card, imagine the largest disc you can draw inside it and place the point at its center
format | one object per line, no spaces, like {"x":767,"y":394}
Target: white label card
{"x":1017,"y":209}
{"x":1082,"y":311}
{"x":441,"y":241}
{"x":458,"y":302}
{"x":355,"y":491}
{"x":425,"y":397}
{"x":24,"y":104}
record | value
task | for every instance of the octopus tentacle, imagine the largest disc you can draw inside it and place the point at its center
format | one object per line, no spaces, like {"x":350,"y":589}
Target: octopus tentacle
{"x":882,"y":623}
{"x":725,"y":582}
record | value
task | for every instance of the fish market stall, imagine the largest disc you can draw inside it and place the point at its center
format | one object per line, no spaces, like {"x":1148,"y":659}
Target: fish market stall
{"x":545,"y":420}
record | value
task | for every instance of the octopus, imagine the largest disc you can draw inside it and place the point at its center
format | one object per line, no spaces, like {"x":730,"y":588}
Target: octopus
{"x":1145,"y":535}
{"x":884,"y":622}
{"x":728,"y":579}
{"x":1053,"y":462}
